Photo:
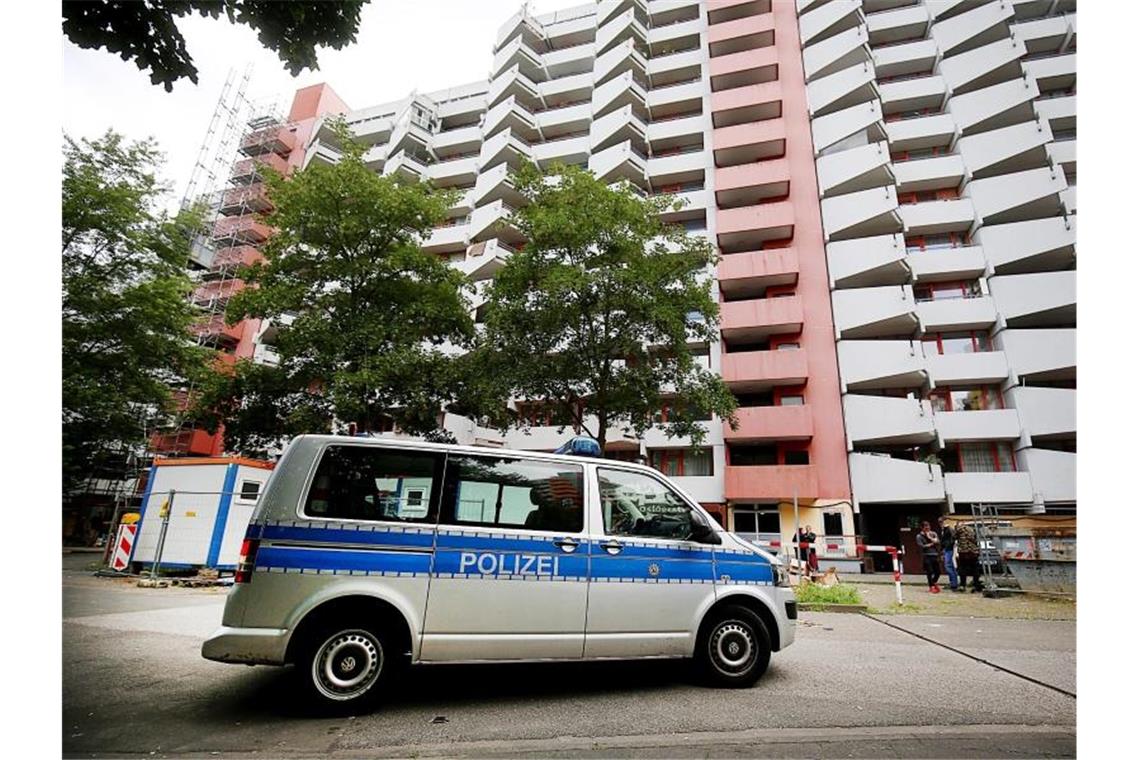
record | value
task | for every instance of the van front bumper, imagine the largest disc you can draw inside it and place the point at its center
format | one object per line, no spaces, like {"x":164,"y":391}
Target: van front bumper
{"x":251,"y":646}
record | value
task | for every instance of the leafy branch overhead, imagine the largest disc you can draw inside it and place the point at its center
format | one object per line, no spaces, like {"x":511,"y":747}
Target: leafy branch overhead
{"x":146,"y":32}
{"x":597,"y":320}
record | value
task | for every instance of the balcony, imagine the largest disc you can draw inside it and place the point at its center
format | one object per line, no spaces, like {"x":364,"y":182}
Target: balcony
{"x":1054,"y":474}
{"x":993,"y":107}
{"x":861,"y":214}
{"x":883,"y":312}
{"x":934,"y":131}
{"x":236,"y":256}
{"x":989,"y":488}
{"x":215,"y":329}
{"x":848,"y":48}
{"x":1045,"y":412}
{"x":751,"y":184}
{"x":505,"y":147}
{"x":749,"y":371}
{"x":406,"y":165}
{"x":752,"y":483}
{"x":513,"y":83}
{"x":617,"y":126}
{"x":484,"y":260}
{"x":457,"y":172}
{"x":745,"y":143}
{"x":753,"y":320}
{"x":756,"y":102}
{"x":494,"y":220}
{"x":560,"y":123}
{"x":620,"y":91}
{"x":678,"y":97}
{"x":1060,"y":112}
{"x":913,"y":94}
{"x":216,"y":290}
{"x":937,"y":217}
{"x":570,"y":151}
{"x":747,"y":228}
{"x":740,"y":69}
{"x":243,"y":229}
{"x":985,"y":368}
{"x":868,"y":262}
{"x":984,"y":66}
{"x":509,"y":115}
{"x":979,"y":26}
{"x":829,"y":19}
{"x":746,"y":33}
{"x":843,"y":89}
{"x":1042,"y":299}
{"x":929,"y":173}
{"x":496,"y":184}
{"x":1018,"y":197}
{"x":518,"y":53}
{"x":276,"y":139}
{"x":1007,"y":149}
{"x":245,"y":199}
{"x":883,"y":480}
{"x":898,"y":25}
{"x":850,"y":171}
{"x":1035,"y":245}
{"x":861,"y":124}
{"x":1053,"y":73}
{"x":978,"y":425}
{"x":1041,"y":354}
{"x":880,"y":364}
{"x":887,"y":421}
{"x":195,"y":442}
{"x":620,"y":161}
{"x":618,"y":60}
{"x":762,"y":424}
{"x":956,"y":314}
{"x":1046,"y":35}
{"x":624,"y":26}
{"x":249,"y":169}
{"x":322,"y":153}
{"x":963,"y":263}
{"x":1063,"y":154}
{"x":909,"y":59}
{"x":449,"y":238}
{"x":754,"y":271}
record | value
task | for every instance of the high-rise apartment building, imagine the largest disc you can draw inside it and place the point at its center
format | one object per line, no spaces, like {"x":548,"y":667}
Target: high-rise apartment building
{"x":891,"y":184}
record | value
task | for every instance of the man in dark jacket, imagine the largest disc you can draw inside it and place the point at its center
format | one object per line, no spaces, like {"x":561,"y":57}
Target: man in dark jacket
{"x":946,"y":536}
{"x":928,"y":544}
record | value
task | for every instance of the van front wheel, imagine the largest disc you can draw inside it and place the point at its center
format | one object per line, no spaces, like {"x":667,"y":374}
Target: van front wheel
{"x":341,"y":665}
{"x":734,"y":649}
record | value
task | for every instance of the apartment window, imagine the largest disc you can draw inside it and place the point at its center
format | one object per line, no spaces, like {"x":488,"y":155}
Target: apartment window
{"x":790,"y":345}
{"x":695,"y":225}
{"x":791,"y":400}
{"x":796,"y":456}
{"x":945,"y":291}
{"x":682,"y":462}
{"x":250,"y":490}
{"x":755,"y":520}
{"x":919,"y":243}
{"x":967,"y":342}
{"x":986,"y":456}
{"x":980,"y":398}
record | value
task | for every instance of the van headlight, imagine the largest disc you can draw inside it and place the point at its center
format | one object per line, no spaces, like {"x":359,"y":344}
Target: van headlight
{"x":780,"y":573}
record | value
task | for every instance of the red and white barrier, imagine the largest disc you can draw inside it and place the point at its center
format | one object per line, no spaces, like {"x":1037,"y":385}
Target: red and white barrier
{"x":860,"y":549}
{"x":124,"y":540}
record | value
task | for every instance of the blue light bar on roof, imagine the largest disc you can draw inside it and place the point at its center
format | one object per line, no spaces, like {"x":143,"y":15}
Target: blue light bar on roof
{"x":581,"y":446}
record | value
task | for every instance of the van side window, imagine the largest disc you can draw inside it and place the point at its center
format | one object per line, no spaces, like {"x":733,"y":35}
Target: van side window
{"x":373,"y":483}
{"x":511,"y":492}
{"x":634,"y":504}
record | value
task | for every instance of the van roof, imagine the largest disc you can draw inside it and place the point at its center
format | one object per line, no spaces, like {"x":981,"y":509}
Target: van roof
{"x":411,"y":443}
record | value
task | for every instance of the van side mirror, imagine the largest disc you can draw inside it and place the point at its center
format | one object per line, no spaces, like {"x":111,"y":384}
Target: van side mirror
{"x":700,"y":531}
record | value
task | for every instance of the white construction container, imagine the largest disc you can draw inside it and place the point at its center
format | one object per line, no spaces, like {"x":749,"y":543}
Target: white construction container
{"x":214,"y":499}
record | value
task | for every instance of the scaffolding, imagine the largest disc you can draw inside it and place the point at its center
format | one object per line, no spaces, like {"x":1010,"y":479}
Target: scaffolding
{"x":997,"y":580}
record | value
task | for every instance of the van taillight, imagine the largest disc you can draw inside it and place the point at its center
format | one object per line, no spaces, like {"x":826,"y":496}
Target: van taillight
{"x":245,"y":560}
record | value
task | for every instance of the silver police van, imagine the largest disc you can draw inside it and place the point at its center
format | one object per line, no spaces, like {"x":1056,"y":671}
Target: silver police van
{"x":366,"y":555}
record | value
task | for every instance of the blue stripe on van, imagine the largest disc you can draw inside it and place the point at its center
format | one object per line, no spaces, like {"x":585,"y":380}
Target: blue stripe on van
{"x":511,"y":564}
{"x":758,"y":571}
{"x":346,"y":536}
{"x":655,"y":551}
{"x":297,"y":558}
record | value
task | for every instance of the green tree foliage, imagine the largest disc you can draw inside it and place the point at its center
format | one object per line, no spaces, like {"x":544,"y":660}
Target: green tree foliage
{"x":145,"y":31}
{"x":600,"y":309}
{"x":360,"y":309}
{"x":125,"y":308}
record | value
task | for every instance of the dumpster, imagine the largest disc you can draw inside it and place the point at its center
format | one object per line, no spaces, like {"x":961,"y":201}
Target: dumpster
{"x":1041,"y":559}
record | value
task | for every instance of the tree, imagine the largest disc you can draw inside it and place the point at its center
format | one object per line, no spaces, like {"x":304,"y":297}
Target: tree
{"x":361,"y":311}
{"x":126,"y":314}
{"x":146,"y":33}
{"x":595,"y":318}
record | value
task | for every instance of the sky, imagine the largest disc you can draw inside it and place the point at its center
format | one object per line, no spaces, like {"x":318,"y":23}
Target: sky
{"x":402,"y":45}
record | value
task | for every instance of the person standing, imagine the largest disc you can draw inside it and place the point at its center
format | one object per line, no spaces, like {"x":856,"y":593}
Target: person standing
{"x":928,"y":543}
{"x":967,"y":541}
{"x":946,"y":537}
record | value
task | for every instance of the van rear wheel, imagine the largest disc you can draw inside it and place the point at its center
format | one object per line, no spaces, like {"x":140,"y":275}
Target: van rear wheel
{"x":734,"y":648}
{"x":342,"y":665}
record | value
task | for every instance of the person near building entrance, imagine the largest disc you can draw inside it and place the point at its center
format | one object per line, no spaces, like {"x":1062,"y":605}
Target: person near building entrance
{"x":807,"y":553}
{"x":946,"y":537}
{"x":967,"y":541}
{"x":928,"y":544}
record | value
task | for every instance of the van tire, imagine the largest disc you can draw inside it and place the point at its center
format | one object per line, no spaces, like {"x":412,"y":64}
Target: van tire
{"x":733,"y":647}
{"x":343,"y":666}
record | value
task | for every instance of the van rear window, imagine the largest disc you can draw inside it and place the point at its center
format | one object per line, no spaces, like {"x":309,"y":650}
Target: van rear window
{"x":373,"y":483}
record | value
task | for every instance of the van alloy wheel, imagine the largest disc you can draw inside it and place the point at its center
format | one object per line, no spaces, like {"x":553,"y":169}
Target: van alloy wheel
{"x":734,"y":647}
{"x":347,"y":664}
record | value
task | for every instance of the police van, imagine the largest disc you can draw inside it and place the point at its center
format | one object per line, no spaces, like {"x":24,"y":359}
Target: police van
{"x":366,"y":555}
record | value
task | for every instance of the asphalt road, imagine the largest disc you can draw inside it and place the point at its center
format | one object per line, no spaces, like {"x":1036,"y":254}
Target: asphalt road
{"x":134,"y":684}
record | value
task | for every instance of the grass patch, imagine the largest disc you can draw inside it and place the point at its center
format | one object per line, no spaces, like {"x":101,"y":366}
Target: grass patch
{"x":843,"y":593}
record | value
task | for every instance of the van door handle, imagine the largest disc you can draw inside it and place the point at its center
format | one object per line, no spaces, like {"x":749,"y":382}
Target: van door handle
{"x":566,"y":544}
{"x":611,"y":546}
